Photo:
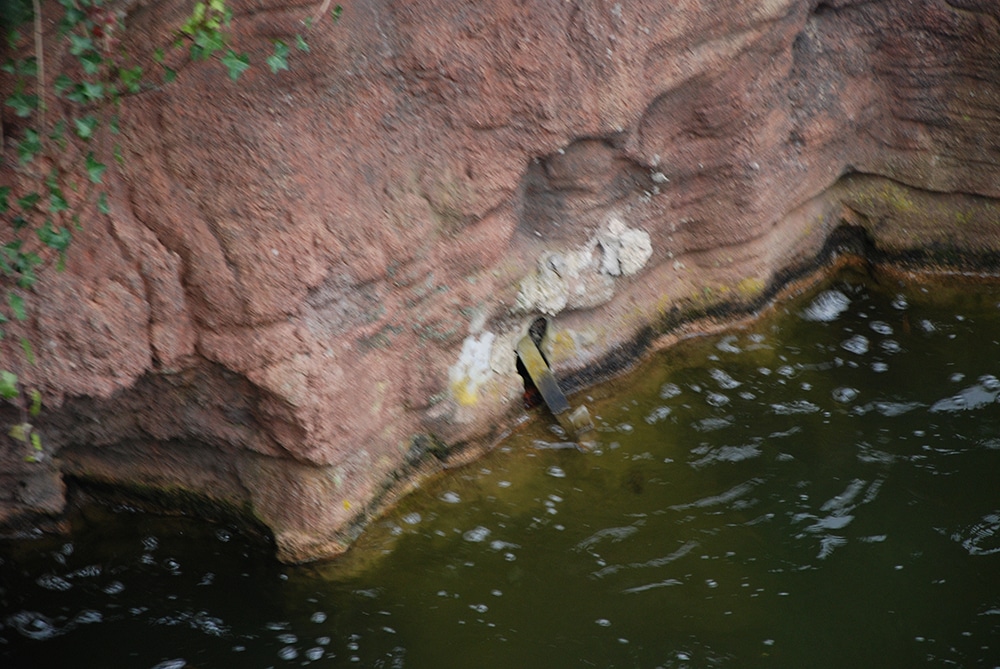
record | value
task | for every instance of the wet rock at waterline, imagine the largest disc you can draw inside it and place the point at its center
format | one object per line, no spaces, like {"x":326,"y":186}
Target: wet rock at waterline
{"x":308,"y":277}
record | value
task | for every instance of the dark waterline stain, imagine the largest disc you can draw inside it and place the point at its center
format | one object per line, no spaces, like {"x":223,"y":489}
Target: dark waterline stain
{"x":817,"y":489}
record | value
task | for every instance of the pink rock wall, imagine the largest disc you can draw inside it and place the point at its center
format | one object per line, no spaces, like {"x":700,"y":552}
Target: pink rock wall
{"x":311,"y":283}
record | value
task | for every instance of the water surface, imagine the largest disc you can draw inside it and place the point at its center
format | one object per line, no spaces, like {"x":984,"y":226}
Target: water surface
{"x":819,"y":489}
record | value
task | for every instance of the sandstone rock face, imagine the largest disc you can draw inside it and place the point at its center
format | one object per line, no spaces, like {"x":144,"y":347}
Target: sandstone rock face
{"x":310,"y":285}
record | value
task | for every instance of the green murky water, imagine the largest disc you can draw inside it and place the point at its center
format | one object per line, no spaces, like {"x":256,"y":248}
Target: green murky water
{"x":821,"y":489}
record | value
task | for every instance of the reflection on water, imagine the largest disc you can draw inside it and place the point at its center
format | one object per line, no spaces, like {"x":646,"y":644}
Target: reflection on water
{"x":820,"y":489}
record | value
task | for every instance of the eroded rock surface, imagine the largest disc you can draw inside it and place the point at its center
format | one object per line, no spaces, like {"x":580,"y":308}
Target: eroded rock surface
{"x":310,"y":284}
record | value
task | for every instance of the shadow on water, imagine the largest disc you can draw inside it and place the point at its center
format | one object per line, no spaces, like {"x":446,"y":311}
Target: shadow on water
{"x":816,"y":489}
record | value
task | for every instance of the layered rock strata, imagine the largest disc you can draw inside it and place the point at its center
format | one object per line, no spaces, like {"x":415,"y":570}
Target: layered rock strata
{"x":310,"y":285}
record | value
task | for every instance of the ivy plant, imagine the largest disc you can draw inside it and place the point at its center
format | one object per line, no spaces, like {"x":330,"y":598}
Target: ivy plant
{"x":63,"y":154}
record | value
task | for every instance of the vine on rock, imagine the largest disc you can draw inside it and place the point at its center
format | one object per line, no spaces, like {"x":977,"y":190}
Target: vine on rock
{"x":64,"y":132}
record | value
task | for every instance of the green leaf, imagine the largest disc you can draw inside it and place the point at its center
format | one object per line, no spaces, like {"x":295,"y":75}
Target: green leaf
{"x":158,"y":56}
{"x":169,"y":74}
{"x":279,"y":59}
{"x":301,"y":44}
{"x":57,"y":238}
{"x":102,"y":204}
{"x":23,"y":104}
{"x":16,"y":303}
{"x":236,"y":63}
{"x":29,"y":147}
{"x":95,"y":168}
{"x":29,"y":352}
{"x":336,"y":12}
{"x":71,"y":19}
{"x":94,"y":90}
{"x":28,"y":201}
{"x":57,"y":202}
{"x":206,"y":42}
{"x":20,"y":431}
{"x":91,"y":62}
{"x":113,"y":123}
{"x":131,"y":78}
{"x":8,"y":385}
{"x":85,"y":126}
{"x":4,"y":194}
{"x":36,"y":402}
{"x":86,"y":92}
{"x":27,"y":67}
{"x":80,"y":44}
{"x":195,"y":20}
{"x":58,"y":131}
{"x":62,"y":84}
{"x":36,"y":441}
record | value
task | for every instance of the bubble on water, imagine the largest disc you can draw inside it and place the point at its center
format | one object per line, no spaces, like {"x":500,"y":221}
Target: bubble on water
{"x":412,"y":518}
{"x":845,"y":394}
{"x":503,"y":484}
{"x":900,"y":303}
{"x":314,"y":653}
{"x":450,"y":497}
{"x":786,"y":371}
{"x":826,"y":307}
{"x":287,"y":638}
{"x":658,"y":414}
{"x":323,"y":640}
{"x":603,"y":622}
{"x":858,"y":344}
{"x":880,"y":367}
{"x":890,"y":346}
{"x":53,"y":582}
{"x":624,"y":428}
{"x":881,"y":327}
{"x":668,"y":390}
{"x":318,"y":617}
{"x":499,"y":545}
{"x":171,"y":664}
{"x":223,"y":535}
{"x":496,"y":593}
{"x":726,"y":344}
{"x":796,"y":407}
{"x":556,"y":472}
{"x":88,"y":616}
{"x":479,"y":608}
{"x":150,"y":543}
{"x":476,"y":534}
{"x":114,"y":588}
{"x":725,"y":381}
{"x":716,"y":399}
{"x":288,"y":653}
{"x":33,"y":625}
{"x":982,"y":538}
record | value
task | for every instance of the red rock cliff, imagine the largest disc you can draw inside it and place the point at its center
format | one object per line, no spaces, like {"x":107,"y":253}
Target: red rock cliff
{"x":310,"y":283}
